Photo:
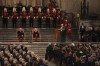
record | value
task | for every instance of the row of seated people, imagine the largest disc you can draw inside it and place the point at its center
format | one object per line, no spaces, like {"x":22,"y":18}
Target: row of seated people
{"x":35,"y":34}
{"x":54,"y":15}
{"x":85,"y":54}
{"x":89,"y":33}
{"x":18,"y":55}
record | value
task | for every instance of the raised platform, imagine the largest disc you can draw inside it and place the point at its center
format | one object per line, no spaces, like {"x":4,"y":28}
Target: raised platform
{"x":10,"y":35}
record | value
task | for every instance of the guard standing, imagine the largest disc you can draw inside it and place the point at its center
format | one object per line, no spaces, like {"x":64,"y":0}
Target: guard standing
{"x":31,"y":16}
{"x":48,"y":17}
{"x":39,"y":18}
{"x":14,"y":17}
{"x":5,"y":18}
{"x":24,"y":16}
{"x":54,"y":15}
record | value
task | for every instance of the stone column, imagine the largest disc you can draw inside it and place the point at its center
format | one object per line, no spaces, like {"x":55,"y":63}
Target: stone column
{"x":24,"y":2}
{"x":1,"y":3}
{"x":39,"y":2}
{"x":27,"y":2}
{"x":63,"y":2}
{"x":9,"y":3}
{"x":43,"y":2}
{"x":58,"y":3}
{"x":32,"y":2}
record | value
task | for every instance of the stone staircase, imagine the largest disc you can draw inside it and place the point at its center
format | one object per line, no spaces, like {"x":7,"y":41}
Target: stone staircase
{"x":38,"y":48}
{"x":9,"y":35}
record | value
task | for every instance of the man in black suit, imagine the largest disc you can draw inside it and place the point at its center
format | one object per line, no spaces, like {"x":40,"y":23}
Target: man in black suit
{"x":82,"y":30}
{"x":49,"y":51}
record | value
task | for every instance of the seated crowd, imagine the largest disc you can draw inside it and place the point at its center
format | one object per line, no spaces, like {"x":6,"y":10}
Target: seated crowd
{"x":90,"y":33}
{"x":13,"y":55}
{"x":74,"y":54}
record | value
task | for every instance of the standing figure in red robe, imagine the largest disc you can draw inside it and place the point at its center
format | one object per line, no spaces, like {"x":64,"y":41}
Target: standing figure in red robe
{"x":58,"y":18}
{"x":31,"y":16}
{"x":39,"y":18}
{"x":54,"y":15}
{"x":69,"y":30}
{"x":24,"y":17}
{"x":48,"y":17}
{"x":5,"y":18}
{"x":14,"y":17}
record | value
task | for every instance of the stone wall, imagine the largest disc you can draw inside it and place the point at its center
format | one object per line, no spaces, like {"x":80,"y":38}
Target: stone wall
{"x":68,"y":5}
{"x":75,"y":7}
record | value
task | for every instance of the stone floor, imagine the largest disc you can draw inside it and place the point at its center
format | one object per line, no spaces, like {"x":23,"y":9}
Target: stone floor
{"x":51,"y":64}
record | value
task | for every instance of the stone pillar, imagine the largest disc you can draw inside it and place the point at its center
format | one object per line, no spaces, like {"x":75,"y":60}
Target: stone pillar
{"x":63,"y":4}
{"x":43,"y":3}
{"x":24,"y":2}
{"x":27,"y":2}
{"x":39,"y":2}
{"x":58,"y":3}
{"x":32,"y":2}
{"x":9,"y":3}
{"x":3,"y":2}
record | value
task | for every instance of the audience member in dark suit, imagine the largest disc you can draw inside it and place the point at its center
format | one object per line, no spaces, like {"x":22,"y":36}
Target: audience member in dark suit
{"x":49,"y":52}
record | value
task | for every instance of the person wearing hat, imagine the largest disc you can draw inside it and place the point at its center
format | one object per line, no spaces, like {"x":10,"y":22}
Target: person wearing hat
{"x":54,"y":15}
{"x":5,"y":18}
{"x":48,"y":17}
{"x":14,"y":17}
{"x":24,"y":17}
{"x":39,"y":18}
{"x":31,"y":16}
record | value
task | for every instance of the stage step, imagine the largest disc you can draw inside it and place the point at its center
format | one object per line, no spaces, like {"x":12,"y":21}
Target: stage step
{"x":10,"y":35}
{"x":38,"y":48}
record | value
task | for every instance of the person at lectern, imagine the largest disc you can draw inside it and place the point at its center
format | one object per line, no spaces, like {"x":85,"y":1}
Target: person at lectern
{"x":20,"y":34}
{"x":36,"y":34}
{"x":62,"y":35}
